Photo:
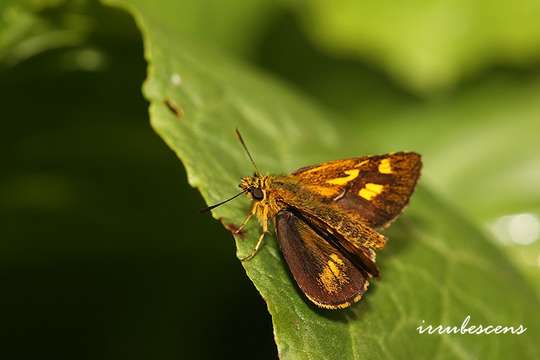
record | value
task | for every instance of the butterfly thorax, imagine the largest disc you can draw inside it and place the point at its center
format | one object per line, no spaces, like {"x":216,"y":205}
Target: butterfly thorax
{"x":270,"y":194}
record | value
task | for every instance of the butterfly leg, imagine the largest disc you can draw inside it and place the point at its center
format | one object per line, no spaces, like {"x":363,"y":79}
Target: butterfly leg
{"x":261,"y":237}
{"x":257,"y":247}
{"x":246,"y":220}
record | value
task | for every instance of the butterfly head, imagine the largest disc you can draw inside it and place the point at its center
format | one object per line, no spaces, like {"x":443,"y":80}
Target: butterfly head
{"x":254,"y":186}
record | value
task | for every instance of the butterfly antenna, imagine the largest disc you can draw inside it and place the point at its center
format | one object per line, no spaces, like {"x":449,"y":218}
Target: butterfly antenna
{"x":221,"y":203}
{"x":247,"y":151}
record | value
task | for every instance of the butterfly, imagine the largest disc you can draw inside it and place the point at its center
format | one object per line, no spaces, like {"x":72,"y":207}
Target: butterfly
{"x":326,"y":218}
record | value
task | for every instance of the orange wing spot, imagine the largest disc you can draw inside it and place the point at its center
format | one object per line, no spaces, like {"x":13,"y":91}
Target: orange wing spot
{"x":334,"y":268}
{"x":370,"y":190}
{"x":351,"y":175}
{"x":332,"y":278}
{"x":336,"y":258}
{"x":384,"y":166}
{"x":323,"y":190}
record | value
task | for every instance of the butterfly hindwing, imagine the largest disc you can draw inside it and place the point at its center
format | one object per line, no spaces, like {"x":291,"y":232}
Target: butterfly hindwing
{"x":327,"y":277}
{"x":354,"y":240}
{"x":375,"y":187}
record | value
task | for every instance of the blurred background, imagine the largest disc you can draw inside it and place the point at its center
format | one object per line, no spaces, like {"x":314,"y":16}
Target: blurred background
{"x":103,"y":251}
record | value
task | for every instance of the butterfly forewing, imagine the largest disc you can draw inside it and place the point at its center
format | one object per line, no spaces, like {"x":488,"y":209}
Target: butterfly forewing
{"x":324,"y":275}
{"x":375,"y":187}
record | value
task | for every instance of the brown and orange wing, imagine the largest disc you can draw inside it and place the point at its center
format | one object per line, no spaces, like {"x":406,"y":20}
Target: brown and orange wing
{"x":377,"y":188}
{"x":325,"y":275}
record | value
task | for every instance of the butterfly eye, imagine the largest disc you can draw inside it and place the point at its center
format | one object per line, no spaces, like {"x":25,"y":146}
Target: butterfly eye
{"x":257,"y":194}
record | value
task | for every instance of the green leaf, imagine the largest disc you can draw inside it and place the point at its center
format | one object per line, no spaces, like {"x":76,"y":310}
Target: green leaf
{"x":429,"y":45}
{"x":437,"y":267}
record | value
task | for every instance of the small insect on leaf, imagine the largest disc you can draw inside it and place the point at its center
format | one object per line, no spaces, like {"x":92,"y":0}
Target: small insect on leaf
{"x":173,"y":108}
{"x":326,"y":218}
